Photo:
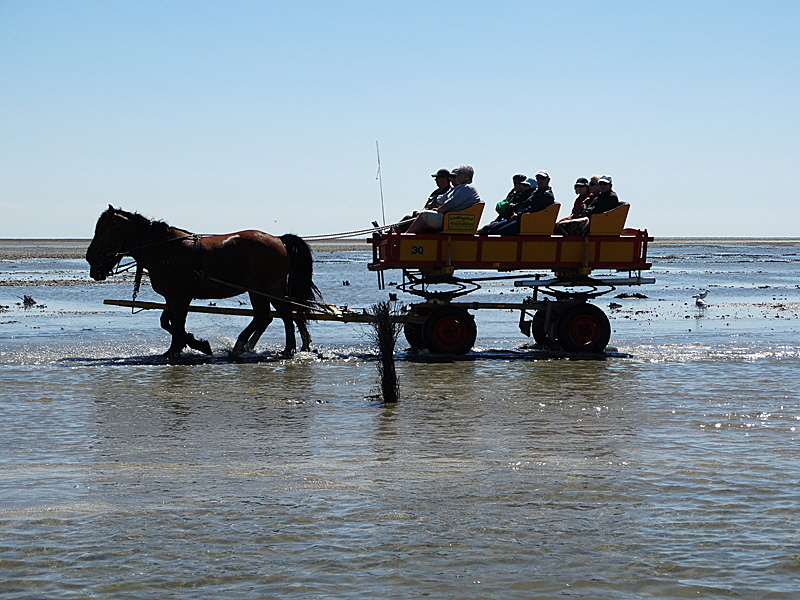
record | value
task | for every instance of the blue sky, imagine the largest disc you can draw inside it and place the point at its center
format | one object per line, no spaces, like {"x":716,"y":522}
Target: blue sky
{"x":219,"y":116}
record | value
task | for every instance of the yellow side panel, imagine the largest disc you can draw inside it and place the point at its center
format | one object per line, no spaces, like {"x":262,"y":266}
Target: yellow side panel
{"x":574,"y":252}
{"x":499,"y":251}
{"x":539,"y":251}
{"x":418,"y":250}
{"x":616,"y":251}
{"x":466,"y":250}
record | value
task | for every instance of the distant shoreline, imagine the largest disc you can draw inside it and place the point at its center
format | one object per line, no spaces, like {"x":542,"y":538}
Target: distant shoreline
{"x":73,"y":248}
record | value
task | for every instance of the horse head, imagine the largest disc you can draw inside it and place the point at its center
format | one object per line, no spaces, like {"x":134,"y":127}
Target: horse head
{"x":108,"y":244}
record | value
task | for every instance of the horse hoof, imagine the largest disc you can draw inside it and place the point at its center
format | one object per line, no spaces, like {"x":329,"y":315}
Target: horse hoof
{"x":204,"y":347}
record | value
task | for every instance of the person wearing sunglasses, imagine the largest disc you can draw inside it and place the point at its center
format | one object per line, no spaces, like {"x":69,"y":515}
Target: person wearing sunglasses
{"x":582,"y":194}
{"x":603,"y":201}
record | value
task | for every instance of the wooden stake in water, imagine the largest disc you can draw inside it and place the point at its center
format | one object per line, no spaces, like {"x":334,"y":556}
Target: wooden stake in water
{"x":385,"y":334}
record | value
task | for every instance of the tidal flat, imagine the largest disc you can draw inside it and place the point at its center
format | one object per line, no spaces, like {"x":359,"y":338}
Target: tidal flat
{"x":666,"y":470}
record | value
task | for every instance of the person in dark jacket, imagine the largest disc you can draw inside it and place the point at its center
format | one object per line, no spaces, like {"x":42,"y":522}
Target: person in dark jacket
{"x":605,"y":200}
{"x":540,"y":199}
{"x":582,"y":194}
{"x":437,"y":197}
{"x":523,"y":188}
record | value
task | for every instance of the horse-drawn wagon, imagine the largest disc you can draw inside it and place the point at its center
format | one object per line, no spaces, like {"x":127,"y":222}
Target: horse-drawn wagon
{"x":439,"y":268}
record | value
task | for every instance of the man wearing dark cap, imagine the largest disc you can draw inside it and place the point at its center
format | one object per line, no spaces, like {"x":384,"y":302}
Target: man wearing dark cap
{"x":442,"y":177}
{"x":581,"y":194}
{"x":436,"y":199}
{"x":463,"y":195}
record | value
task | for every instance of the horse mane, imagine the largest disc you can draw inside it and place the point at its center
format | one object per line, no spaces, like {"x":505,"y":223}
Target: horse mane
{"x":158,"y":229}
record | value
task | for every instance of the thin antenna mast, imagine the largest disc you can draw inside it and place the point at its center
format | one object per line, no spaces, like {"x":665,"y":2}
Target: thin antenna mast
{"x":380,"y":181}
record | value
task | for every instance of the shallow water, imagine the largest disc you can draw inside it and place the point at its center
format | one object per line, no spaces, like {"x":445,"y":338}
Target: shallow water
{"x":668,"y":474}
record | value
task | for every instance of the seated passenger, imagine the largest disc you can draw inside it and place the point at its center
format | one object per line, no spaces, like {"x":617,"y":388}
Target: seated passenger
{"x":578,"y":223}
{"x":442,"y":177}
{"x":462,"y":196}
{"x":594,"y":185}
{"x":582,"y":191}
{"x":523,"y":187}
{"x":541,"y":198}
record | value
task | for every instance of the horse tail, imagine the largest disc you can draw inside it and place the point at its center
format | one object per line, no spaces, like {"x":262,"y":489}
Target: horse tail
{"x":301,"y":288}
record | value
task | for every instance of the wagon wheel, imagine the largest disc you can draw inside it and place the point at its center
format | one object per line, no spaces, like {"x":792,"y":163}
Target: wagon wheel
{"x":583,"y":328}
{"x":413,"y":333}
{"x":449,"y":330}
{"x":542,"y":336}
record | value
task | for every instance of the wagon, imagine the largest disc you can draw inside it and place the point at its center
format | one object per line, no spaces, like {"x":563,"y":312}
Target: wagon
{"x":559,"y":271}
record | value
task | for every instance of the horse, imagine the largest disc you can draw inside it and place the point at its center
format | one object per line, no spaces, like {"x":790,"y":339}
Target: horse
{"x":183,"y":266}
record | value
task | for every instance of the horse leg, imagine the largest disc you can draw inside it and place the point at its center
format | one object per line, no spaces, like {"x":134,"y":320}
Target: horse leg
{"x":247,"y":340}
{"x":285,"y":311}
{"x":241,"y":342}
{"x":256,"y":335}
{"x":262,"y":313}
{"x":166,"y":321}
{"x":305,"y":336}
{"x":199,"y":345}
{"x":175,"y":317}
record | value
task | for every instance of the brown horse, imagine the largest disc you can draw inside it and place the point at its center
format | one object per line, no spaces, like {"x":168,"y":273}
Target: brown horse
{"x":183,"y":266}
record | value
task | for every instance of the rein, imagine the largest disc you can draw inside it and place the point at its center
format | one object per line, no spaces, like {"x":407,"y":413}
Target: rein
{"x":317,"y":305}
{"x":128,"y":251}
{"x":349,"y":234}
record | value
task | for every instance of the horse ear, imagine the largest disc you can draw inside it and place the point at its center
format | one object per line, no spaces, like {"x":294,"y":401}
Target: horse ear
{"x":111,"y":208}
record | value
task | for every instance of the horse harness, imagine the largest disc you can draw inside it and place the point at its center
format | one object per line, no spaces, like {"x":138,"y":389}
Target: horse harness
{"x":198,"y":257}
{"x":199,"y":274}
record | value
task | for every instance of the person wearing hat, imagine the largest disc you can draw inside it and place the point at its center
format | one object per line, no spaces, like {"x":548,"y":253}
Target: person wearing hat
{"x":436,"y":198}
{"x":582,"y":191}
{"x":605,"y":200}
{"x":462,"y":196}
{"x":442,"y":177}
{"x":522,"y":188}
{"x":541,"y":197}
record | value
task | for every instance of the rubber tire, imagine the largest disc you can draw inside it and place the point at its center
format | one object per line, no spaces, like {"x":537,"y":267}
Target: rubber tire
{"x":537,"y":327}
{"x":583,"y":328}
{"x":413,"y":333}
{"x":449,"y":330}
